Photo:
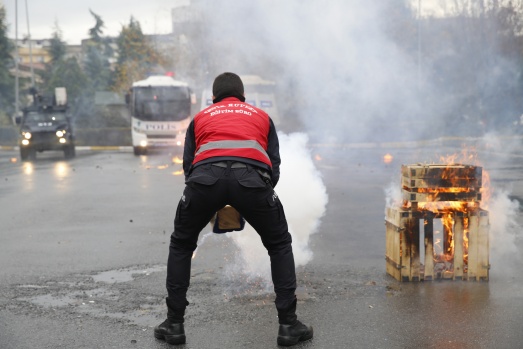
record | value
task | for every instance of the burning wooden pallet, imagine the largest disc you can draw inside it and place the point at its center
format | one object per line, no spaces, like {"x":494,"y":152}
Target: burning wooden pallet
{"x":450,"y":195}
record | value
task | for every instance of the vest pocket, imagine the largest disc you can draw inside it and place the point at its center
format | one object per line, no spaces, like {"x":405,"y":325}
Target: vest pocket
{"x":202,"y":175}
{"x":251,"y":180}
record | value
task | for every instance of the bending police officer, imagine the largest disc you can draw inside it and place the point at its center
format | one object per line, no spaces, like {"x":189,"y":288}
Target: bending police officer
{"x":231,"y":157}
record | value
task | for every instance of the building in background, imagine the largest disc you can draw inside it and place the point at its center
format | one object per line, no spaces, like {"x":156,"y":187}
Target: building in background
{"x":35,"y":53}
{"x":187,"y":19}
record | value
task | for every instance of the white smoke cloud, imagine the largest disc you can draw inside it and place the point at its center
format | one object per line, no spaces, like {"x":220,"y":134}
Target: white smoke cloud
{"x":504,"y":229}
{"x":304,"y":198}
{"x":336,"y":66}
{"x":393,"y":195}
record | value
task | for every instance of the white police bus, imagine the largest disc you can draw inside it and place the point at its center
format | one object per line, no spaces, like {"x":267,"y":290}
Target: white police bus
{"x":160,"y":108}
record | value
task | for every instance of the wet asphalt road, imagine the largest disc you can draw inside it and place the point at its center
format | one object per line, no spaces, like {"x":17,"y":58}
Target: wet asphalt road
{"x":83,"y":246}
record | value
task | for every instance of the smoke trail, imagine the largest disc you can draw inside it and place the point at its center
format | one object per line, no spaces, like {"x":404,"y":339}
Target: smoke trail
{"x":304,"y":198}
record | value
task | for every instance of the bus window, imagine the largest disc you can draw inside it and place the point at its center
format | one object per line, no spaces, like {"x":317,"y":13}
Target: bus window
{"x":162,"y":103}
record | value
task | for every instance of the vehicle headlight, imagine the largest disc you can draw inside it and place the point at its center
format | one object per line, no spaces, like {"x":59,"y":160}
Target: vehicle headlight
{"x":143,"y":143}
{"x":60,"y":133}
{"x":27,"y":135}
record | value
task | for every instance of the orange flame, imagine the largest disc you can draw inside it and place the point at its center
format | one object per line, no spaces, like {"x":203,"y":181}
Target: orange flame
{"x":177,"y":160}
{"x":464,"y":191}
{"x":469,"y":155}
{"x":448,"y":224}
{"x":387,"y":158}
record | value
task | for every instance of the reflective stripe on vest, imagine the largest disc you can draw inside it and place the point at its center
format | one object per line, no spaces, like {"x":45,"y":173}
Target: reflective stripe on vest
{"x":233,"y":145}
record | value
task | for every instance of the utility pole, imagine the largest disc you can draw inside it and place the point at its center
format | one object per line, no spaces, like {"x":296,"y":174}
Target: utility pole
{"x":419,"y":44}
{"x":17,"y":102}
{"x":30,"y":45}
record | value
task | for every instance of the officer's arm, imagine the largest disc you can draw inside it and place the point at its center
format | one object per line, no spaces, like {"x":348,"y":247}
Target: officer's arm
{"x":273,"y":150}
{"x":189,"y":149}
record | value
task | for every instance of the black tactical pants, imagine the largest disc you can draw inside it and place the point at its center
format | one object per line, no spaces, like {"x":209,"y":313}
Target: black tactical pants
{"x":208,"y":189}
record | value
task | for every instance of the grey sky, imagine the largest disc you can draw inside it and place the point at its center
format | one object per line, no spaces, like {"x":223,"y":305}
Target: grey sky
{"x":74,"y":19}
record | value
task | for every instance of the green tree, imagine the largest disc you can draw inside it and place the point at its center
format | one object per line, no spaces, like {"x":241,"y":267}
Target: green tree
{"x":68,"y":73}
{"x":468,"y":59}
{"x":63,"y":71}
{"x":98,"y":72}
{"x":136,"y":56}
{"x":96,"y":64}
{"x":57,"y":48}
{"x":7,"y":97}
{"x":95,"y":33}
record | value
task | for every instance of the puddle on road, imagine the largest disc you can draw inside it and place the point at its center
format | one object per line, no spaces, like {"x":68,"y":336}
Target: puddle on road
{"x":94,"y":296}
{"x":125,"y":274}
{"x":32,"y":286}
{"x":146,"y":316}
{"x":302,"y":293}
{"x":50,"y":301}
{"x":76,"y":298}
{"x":86,"y":297}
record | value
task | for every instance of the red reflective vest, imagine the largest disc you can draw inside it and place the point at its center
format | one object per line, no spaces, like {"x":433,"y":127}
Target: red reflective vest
{"x":231,"y":128}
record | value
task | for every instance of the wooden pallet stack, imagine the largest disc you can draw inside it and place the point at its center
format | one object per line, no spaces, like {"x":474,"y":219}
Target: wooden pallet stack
{"x":450,"y":192}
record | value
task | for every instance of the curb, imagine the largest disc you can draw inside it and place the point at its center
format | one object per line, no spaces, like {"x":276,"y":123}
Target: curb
{"x":94,"y":147}
{"x":406,"y":144}
{"x":105,"y":148}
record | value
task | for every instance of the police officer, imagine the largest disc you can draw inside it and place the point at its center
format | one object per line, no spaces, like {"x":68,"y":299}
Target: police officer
{"x":231,"y":157}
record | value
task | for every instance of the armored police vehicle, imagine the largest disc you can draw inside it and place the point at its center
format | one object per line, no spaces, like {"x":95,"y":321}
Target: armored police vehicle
{"x":46,"y":125}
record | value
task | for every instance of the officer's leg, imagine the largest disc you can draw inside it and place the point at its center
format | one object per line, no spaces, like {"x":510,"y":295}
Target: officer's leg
{"x":195,"y":209}
{"x":263,"y":210}
{"x":199,"y":202}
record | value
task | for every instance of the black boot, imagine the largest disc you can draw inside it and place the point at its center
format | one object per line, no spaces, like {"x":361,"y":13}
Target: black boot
{"x":291,"y":330}
{"x":171,"y":330}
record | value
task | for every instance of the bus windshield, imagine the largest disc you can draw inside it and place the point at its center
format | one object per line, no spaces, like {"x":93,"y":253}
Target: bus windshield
{"x":161,"y":103}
